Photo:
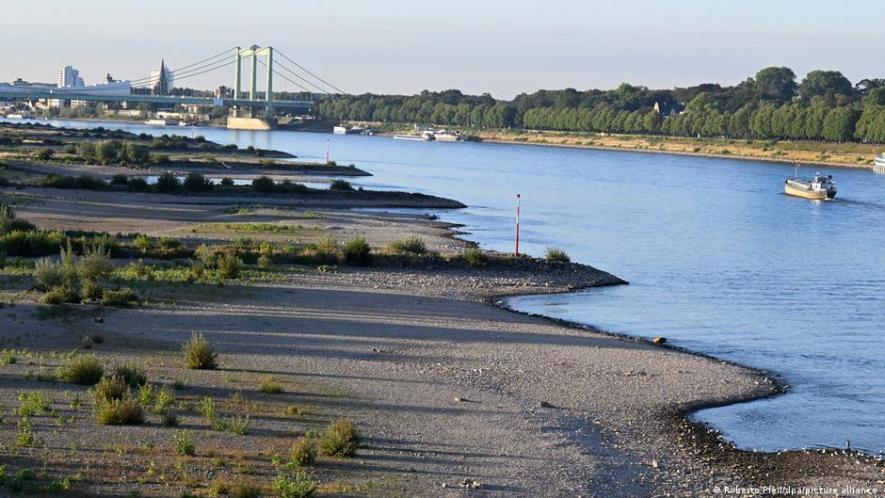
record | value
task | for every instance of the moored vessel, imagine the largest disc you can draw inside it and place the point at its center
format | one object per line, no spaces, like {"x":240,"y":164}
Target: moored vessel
{"x":879,"y":164}
{"x":819,"y":187}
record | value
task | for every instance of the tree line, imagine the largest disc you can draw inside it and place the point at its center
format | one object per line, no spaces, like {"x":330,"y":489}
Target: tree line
{"x":825,"y":105}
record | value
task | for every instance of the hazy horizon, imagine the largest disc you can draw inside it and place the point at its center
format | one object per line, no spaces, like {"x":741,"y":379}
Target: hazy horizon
{"x":495,"y":47}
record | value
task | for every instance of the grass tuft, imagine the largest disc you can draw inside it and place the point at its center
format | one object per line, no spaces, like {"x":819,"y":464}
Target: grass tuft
{"x":341,"y":438}
{"x":199,"y":354}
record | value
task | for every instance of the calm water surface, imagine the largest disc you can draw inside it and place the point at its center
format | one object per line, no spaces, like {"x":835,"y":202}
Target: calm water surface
{"x":719,"y":260}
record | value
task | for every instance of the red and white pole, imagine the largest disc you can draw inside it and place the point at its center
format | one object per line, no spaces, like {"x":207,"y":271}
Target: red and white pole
{"x":516,"y":249}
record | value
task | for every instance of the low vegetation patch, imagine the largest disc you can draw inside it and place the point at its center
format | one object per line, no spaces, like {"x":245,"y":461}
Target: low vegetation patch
{"x":199,"y":354}
{"x":294,"y":483}
{"x":341,"y":438}
{"x":84,"y":370}
{"x":304,"y":452}
{"x":411,"y":245}
{"x":125,"y":411}
{"x":555,"y":255}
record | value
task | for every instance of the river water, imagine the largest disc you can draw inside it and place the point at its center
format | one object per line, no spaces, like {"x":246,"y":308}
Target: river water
{"x":719,"y":260}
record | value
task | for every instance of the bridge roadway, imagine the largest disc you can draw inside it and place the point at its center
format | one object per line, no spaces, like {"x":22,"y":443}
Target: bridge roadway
{"x":297,"y":105}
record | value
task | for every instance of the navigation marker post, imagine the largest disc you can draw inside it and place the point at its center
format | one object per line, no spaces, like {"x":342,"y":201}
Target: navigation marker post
{"x":516,"y":249}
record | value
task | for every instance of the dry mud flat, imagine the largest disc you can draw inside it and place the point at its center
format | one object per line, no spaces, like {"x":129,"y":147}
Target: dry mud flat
{"x":444,"y":387}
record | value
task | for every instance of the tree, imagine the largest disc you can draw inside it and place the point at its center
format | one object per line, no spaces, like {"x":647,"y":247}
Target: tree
{"x":776,"y":83}
{"x":825,"y":83}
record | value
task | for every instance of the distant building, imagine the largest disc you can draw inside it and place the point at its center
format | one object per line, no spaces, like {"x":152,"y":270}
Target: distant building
{"x":69,"y":77}
{"x":162,"y":81}
{"x":666,"y":109}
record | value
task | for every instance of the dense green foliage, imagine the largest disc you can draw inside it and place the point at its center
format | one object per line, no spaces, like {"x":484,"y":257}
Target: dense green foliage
{"x":772,"y":105}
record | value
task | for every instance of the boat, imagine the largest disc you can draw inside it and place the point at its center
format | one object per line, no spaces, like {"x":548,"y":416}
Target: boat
{"x":162,"y":122}
{"x":819,"y":187}
{"x":407,"y":137}
{"x":879,"y":164}
{"x":353,"y":130}
{"x":448,"y":136}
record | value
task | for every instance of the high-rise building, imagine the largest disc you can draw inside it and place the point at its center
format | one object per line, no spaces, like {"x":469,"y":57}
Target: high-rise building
{"x":68,"y":77}
{"x":162,"y":81}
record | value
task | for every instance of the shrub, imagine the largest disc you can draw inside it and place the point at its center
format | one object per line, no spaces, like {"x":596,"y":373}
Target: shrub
{"x":133,"y":376}
{"x":304,"y":452}
{"x":340,"y":184}
{"x":206,"y":255}
{"x":48,"y":274}
{"x":195,"y":182}
{"x":30,"y":243}
{"x":82,"y":370}
{"x":294,"y":484}
{"x":554,"y":255}
{"x":474,"y":256}
{"x":95,"y":263}
{"x":61,"y":295}
{"x":111,"y":388}
{"x":31,"y":403}
{"x":120,"y":180}
{"x":143,"y":243}
{"x":44,"y":154}
{"x":118,"y":297}
{"x":163,"y":400}
{"x":199,"y":354}
{"x":357,"y":252}
{"x":91,"y":291}
{"x":326,"y":250}
{"x":340,"y":439}
{"x":412,"y":245}
{"x":227,"y":182}
{"x":168,"y":183}
{"x":265,"y":262}
{"x":119,"y":412}
{"x":229,"y":266}
{"x":184,"y":443}
{"x":263,"y":185}
{"x":270,"y":385}
{"x":138,"y":184}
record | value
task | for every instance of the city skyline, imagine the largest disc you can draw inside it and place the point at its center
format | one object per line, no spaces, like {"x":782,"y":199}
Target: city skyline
{"x":498,"y":48}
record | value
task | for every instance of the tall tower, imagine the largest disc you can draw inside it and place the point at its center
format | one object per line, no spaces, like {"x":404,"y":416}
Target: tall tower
{"x":161,"y":87}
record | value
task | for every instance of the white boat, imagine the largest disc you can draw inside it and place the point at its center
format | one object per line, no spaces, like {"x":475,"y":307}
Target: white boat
{"x":353,"y":130}
{"x":448,"y":136}
{"x":162,"y":122}
{"x":879,"y":164}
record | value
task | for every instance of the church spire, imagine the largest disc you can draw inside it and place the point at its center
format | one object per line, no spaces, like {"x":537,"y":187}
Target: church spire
{"x":161,"y":87}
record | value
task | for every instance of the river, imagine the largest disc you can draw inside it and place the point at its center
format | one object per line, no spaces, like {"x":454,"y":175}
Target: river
{"x":719,"y":260}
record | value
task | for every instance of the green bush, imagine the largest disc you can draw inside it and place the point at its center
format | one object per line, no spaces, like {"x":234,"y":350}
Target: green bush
{"x":111,"y":388}
{"x":326,"y":250}
{"x":340,"y":184}
{"x":120,"y":180}
{"x":263,"y":185}
{"x":44,"y":154}
{"x":199,"y":354}
{"x":474,"y":256}
{"x":411,"y":245}
{"x":82,"y":370}
{"x":91,"y":291}
{"x":118,"y":297}
{"x":184,"y":442}
{"x":229,"y":266}
{"x":168,"y":183}
{"x":265,"y":262}
{"x":95,"y":263}
{"x":195,"y":182}
{"x":143,"y":243}
{"x":138,"y":184}
{"x":48,"y":274}
{"x":294,"y":484}
{"x":357,"y":252}
{"x":341,"y":438}
{"x":270,"y":385}
{"x":61,"y":295}
{"x":31,"y":243}
{"x":119,"y":412}
{"x":132,"y":375}
{"x":206,"y":255}
{"x":304,"y":452}
{"x":554,"y":255}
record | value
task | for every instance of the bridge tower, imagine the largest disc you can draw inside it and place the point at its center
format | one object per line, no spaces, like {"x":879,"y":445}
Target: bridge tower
{"x":253,"y":53}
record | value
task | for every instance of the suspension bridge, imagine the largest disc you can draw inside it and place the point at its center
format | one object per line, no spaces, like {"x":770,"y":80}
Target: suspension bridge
{"x":245,"y":103}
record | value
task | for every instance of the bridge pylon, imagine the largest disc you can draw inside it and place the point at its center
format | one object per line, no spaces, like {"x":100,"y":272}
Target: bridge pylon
{"x":253,"y":53}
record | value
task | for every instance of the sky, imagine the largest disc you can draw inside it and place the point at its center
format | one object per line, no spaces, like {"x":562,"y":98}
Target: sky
{"x":500,"y":47}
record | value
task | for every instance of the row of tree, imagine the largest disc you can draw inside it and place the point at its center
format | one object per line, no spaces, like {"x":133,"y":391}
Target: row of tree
{"x":772,"y":105}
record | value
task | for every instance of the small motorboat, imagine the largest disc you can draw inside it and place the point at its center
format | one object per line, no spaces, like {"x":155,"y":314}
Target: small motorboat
{"x":819,"y":187}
